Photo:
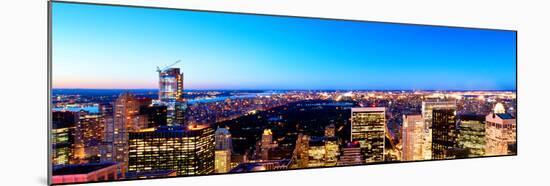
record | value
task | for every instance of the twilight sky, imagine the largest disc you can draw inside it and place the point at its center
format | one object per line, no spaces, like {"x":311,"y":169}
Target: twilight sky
{"x":119,"y":47}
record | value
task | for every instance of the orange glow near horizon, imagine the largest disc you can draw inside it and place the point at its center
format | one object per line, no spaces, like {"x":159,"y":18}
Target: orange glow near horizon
{"x":106,"y":84}
{"x":103,"y":85}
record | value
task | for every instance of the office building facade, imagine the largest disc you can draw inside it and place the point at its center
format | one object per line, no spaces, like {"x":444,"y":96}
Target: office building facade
{"x":368,"y":127}
{"x":412,"y":138}
{"x":427,"y":115}
{"x":444,"y":133}
{"x":187,"y":150}
{"x":471,"y":134}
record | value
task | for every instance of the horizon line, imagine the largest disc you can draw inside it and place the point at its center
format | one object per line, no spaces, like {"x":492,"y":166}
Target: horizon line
{"x":229,"y":89}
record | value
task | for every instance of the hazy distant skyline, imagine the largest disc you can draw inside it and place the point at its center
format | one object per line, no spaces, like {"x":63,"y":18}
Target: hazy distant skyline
{"x":104,"y":47}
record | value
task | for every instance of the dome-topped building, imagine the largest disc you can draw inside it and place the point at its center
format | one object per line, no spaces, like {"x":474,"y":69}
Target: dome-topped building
{"x":500,"y":132}
{"x":499,"y":109}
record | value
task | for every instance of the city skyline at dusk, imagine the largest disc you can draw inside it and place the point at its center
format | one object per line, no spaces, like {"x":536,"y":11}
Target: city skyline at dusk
{"x":142,"y":93}
{"x":235,"y":51}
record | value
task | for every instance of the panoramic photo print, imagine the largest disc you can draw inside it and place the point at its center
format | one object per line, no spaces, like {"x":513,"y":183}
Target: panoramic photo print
{"x":140,"y":93}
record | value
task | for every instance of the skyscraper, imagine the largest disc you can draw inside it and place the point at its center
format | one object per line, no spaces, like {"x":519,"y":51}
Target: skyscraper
{"x":126,"y":110}
{"x":187,"y":150}
{"x":107,"y":120}
{"x":223,"y":143}
{"x":332,"y":148}
{"x":89,"y":134}
{"x":156,"y":115}
{"x":368,"y":128}
{"x":427,"y":108}
{"x":500,"y":132}
{"x":444,"y":133}
{"x":316,"y":152}
{"x":223,"y":139}
{"x":266,"y":143}
{"x":63,"y":129}
{"x":170,"y":85}
{"x":300,"y":156}
{"x":412,"y":138}
{"x":171,"y":95}
{"x":471,"y":134}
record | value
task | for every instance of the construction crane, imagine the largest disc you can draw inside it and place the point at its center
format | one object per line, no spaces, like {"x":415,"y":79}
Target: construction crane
{"x":159,"y":70}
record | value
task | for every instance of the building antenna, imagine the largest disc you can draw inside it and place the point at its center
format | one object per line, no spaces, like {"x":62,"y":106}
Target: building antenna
{"x":159,"y":70}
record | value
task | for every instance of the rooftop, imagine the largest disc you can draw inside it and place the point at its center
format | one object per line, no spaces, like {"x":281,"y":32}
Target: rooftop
{"x":222,"y":131}
{"x":413,"y":116}
{"x":267,"y":132}
{"x":475,"y":117}
{"x":505,"y":116}
{"x":317,"y":141}
{"x":80,"y":168}
{"x":175,"y":128}
{"x":368,"y":109}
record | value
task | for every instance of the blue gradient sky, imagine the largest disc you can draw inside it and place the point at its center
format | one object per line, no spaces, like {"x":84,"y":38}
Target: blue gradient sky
{"x":119,"y":47}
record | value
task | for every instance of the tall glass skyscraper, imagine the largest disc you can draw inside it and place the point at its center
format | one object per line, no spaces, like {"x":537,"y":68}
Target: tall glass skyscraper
{"x":444,"y":133}
{"x":427,"y":109}
{"x":368,"y":127}
{"x":63,"y":133}
{"x":171,"y":95}
{"x":170,"y":85}
{"x":224,"y":147}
